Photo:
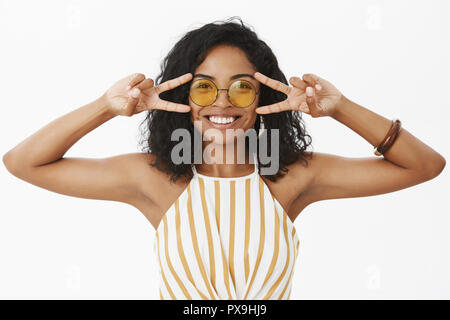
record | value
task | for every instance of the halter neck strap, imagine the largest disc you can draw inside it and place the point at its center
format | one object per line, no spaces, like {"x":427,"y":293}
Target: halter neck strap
{"x":255,"y":162}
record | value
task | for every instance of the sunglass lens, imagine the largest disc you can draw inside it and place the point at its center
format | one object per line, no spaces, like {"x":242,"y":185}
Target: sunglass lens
{"x":242,"y":93}
{"x":203,"y":92}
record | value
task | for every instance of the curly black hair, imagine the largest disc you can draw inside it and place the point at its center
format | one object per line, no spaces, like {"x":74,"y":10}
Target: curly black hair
{"x":187,"y":54}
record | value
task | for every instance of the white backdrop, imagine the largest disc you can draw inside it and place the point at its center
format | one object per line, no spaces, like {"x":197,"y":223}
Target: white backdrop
{"x":389,"y":56}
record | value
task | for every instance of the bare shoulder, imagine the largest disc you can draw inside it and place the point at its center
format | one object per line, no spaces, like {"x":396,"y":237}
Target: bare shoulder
{"x":302,"y":185}
{"x":303,"y":179}
{"x":290,"y":190}
{"x":158,"y":192}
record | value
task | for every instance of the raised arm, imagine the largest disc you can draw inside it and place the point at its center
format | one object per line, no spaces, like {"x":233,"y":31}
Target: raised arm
{"x":408,"y":161}
{"x":39,"y":159}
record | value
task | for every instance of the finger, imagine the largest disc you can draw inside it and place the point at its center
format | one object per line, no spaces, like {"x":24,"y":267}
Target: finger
{"x":312,"y":80}
{"x":134,"y":93}
{"x":298,"y":83}
{"x":311,"y":102}
{"x":273,"y":108}
{"x":304,"y":108}
{"x":131,"y":105}
{"x":171,"y":106}
{"x":135,"y":79}
{"x":173,"y":83}
{"x":146,"y":84}
{"x":274,"y":84}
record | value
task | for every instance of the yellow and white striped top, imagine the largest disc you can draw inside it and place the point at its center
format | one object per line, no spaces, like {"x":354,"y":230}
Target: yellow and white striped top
{"x":226,"y":238}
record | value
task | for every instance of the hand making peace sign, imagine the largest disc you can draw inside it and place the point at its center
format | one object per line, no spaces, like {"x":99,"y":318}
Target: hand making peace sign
{"x":135,"y":93}
{"x":312,"y":95}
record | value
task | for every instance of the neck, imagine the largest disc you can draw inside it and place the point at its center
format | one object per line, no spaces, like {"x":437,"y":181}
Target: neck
{"x":225,"y":160}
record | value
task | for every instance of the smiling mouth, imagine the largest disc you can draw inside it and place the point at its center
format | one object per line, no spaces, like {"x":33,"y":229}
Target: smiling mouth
{"x":222,"y":121}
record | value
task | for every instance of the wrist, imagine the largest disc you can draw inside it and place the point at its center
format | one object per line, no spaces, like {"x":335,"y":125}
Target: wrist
{"x":105,"y":105}
{"x":340,"y":107}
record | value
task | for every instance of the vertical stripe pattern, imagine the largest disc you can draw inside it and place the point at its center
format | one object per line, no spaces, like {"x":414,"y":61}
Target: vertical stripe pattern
{"x":226,"y":238}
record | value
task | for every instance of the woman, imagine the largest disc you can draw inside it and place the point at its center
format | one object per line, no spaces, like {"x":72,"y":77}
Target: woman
{"x":224,"y":230}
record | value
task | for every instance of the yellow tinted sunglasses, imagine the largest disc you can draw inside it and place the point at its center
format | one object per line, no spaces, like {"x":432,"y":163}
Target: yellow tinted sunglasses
{"x":241,"y":93}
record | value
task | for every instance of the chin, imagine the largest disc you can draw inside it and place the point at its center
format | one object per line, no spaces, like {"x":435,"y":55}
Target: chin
{"x":220,"y":138}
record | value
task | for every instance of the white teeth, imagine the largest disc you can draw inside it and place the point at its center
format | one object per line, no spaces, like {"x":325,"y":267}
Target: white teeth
{"x":221,"y":120}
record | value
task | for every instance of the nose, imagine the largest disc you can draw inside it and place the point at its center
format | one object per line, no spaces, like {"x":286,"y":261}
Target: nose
{"x":222,"y":99}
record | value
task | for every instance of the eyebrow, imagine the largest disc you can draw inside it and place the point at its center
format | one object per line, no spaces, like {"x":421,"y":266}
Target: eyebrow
{"x":236,"y":76}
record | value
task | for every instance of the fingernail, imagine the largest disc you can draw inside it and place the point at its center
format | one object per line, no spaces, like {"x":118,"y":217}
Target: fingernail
{"x":318,"y":86}
{"x":135,"y":92}
{"x":309,"y":91}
